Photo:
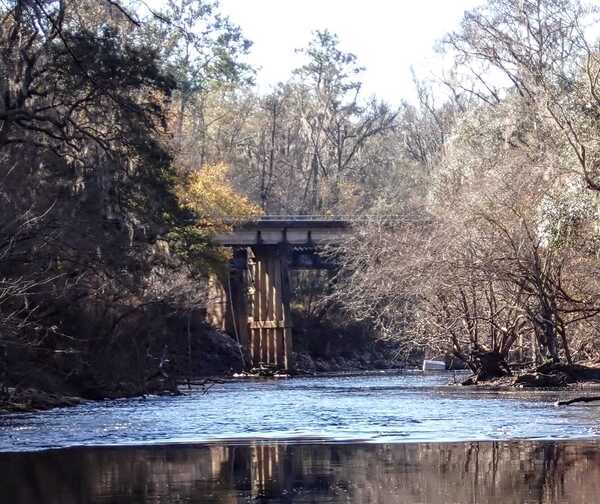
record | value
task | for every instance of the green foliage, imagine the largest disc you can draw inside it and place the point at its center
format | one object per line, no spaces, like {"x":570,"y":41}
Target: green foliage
{"x":92,"y":231}
{"x":192,"y":244}
{"x":329,"y":68}
{"x":200,"y":47}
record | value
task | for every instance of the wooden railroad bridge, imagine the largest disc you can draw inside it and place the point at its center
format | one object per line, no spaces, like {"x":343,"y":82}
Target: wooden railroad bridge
{"x":252,"y":301}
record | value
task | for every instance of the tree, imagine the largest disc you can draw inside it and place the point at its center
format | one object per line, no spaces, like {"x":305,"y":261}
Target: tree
{"x":91,"y":218}
{"x":541,"y":50}
{"x":336,"y":123}
{"x":204,"y":52}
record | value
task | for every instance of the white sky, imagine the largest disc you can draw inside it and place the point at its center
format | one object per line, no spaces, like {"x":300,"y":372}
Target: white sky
{"x":387,"y":36}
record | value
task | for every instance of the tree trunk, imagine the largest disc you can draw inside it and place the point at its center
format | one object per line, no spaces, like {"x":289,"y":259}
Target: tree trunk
{"x":488,"y":365}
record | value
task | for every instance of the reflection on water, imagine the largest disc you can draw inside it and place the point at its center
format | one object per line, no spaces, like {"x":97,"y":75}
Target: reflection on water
{"x":475,"y":472}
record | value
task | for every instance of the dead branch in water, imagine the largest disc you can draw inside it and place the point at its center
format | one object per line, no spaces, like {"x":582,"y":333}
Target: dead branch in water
{"x":585,"y":399}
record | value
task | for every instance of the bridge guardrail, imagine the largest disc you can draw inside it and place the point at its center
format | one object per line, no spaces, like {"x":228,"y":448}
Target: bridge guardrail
{"x":313,"y":218}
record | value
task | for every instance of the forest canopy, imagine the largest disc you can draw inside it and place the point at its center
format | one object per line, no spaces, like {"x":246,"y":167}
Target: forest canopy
{"x":130,"y":135}
{"x":499,"y":259}
{"x":104,"y":241}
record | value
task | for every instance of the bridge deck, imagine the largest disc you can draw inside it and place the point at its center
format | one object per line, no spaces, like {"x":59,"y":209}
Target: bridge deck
{"x":295,"y":230}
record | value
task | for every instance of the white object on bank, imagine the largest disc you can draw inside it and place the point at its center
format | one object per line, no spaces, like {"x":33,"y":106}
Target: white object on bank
{"x":434,"y":365}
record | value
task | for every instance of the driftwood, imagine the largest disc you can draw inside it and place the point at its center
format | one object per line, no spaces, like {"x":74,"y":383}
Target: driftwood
{"x":584,"y":399}
{"x":557,"y":375}
{"x":573,"y":372}
{"x":541,"y":380}
{"x":206,"y":383}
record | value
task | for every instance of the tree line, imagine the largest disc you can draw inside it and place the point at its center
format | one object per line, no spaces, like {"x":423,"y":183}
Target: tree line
{"x":496,"y":257}
{"x":106,"y":223}
{"x":130,"y":134}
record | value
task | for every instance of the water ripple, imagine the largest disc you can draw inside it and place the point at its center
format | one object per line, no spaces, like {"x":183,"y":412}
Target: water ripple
{"x":395,"y":408}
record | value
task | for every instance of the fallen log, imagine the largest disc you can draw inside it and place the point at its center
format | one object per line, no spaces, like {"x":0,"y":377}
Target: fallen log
{"x":584,"y":399}
{"x":574,"y":372}
{"x":537,"y":379}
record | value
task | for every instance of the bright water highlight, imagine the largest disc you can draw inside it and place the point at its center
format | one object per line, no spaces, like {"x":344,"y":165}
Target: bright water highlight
{"x":374,"y":408}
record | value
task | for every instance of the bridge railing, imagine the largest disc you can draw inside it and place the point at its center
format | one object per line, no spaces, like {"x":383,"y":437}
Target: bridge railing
{"x":296,"y":218}
{"x":313,"y":218}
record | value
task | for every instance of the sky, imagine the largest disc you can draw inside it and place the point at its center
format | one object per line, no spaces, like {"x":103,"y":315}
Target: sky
{"x":387,"y":36}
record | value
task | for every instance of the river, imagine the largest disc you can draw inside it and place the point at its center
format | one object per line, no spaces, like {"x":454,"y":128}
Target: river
{"x":336,"y":439}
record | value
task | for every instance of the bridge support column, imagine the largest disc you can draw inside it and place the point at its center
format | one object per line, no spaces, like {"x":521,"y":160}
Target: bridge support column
{"x":269,"y":321}
{"x":227,"y":300}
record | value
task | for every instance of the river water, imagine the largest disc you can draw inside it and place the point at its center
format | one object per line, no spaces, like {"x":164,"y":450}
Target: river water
{"x":378,"y":438}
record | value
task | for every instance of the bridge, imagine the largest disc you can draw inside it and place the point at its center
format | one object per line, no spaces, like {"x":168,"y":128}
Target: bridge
{"x":252,"y":301}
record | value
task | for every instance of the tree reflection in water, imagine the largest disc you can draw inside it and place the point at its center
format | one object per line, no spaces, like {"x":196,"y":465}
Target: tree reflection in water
{"x":475,"y":472}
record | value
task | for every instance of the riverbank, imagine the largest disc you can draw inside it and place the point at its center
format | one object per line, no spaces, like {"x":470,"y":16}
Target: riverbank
{"x":215,"y":356}
{"x":31,"y":399}
{"x":583,"y":376}
{"x":211,"y":354}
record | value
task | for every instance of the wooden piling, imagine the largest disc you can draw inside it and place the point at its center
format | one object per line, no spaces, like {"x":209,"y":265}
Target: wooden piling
{"x":270,"y":324}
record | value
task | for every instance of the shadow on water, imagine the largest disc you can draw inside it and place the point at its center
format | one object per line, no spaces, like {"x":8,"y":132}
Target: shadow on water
{"x":473,"y":472}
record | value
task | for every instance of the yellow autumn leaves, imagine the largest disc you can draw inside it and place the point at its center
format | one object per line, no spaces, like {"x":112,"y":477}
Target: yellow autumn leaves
{"x":208,"y":193}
